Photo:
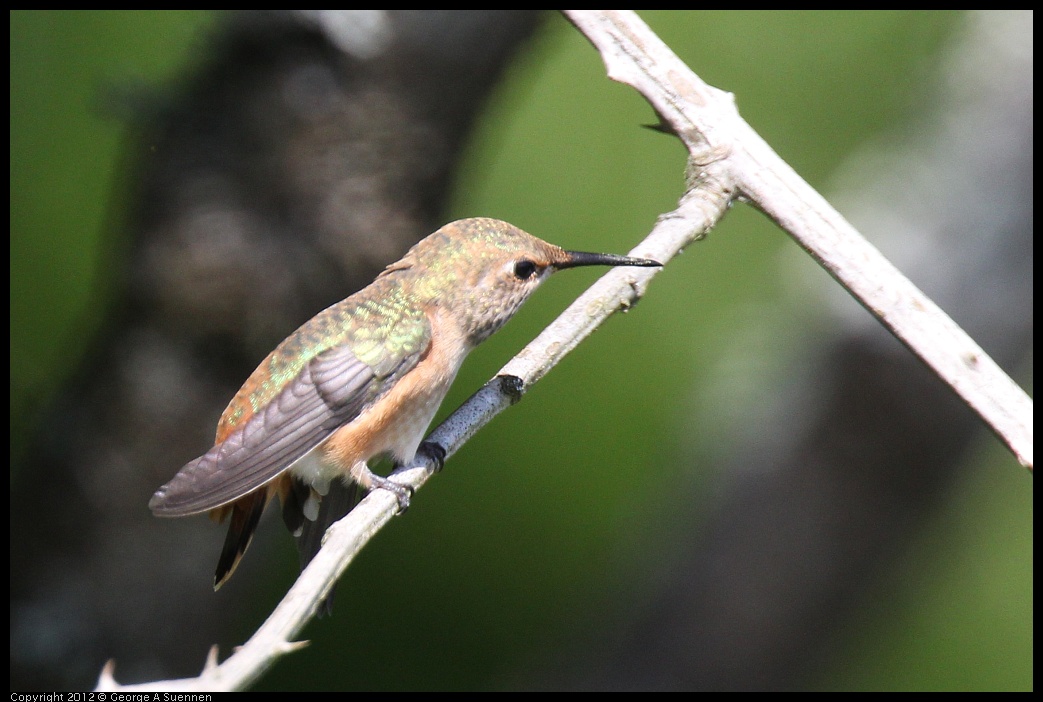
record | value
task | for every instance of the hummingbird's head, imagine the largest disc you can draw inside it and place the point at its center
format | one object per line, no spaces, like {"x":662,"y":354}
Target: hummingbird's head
{"x":481,"y":270}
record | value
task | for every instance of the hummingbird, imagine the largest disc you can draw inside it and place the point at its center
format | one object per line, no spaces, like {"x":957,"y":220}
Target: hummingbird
{"x":361,"y":381}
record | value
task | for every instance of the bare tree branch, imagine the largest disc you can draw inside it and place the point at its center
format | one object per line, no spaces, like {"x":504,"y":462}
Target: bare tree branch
{"x":708,"y":123}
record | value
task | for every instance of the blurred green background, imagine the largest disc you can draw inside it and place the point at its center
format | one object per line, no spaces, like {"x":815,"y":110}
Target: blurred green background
{"x":520,"y":534}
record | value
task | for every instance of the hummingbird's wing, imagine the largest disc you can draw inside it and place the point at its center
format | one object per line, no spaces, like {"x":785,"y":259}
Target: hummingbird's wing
{"x":331,"y":390}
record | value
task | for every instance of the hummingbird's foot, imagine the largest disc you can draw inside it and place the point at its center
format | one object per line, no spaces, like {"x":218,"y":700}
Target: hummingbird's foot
{"x":435,"y":453}
{"x":403,"y":493}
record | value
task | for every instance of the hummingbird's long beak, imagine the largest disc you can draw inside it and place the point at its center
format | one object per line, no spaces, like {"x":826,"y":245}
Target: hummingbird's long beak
{"x":581,"y":258}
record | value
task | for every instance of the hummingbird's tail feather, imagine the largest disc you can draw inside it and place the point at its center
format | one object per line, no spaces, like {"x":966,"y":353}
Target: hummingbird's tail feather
{"x":245,"y":515}
{"x":295,"y":498}
{"x":340,"y":500}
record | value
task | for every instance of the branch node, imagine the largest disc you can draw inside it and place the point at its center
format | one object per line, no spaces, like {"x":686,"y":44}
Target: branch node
{"x":293,"y":646}
{"x":106,"y":681}
{"x":211,"y":662}
{"x":512,"y":386}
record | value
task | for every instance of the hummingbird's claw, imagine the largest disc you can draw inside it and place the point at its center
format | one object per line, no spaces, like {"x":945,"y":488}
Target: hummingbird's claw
{"x":435,"y":453}
{"x":403,"y":493}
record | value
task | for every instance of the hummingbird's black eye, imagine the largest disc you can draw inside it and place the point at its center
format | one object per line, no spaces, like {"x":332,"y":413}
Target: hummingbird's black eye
{"x":524,"y":269}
